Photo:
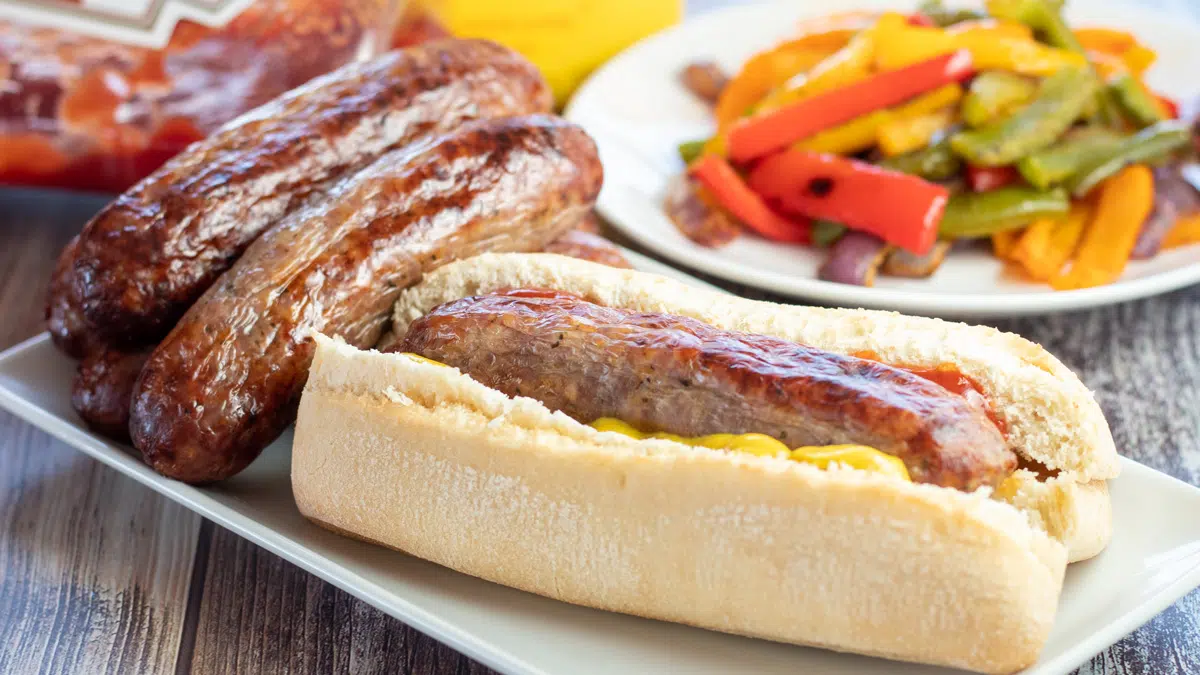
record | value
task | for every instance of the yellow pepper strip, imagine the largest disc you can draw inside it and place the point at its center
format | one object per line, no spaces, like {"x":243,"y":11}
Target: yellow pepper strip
{"x":1125,"y":202}
{"x":863,"y":133}
{"x":855,"y":456}
{"x":1001,"y":27}
{"x":1044,"y":253}
{"x":1185,"y":231}
{"x":1107,"y":65}
{"x":898,"y":46}
{"x":1004,"y":242}
{"x":902,"y":135}
{"x":1139,"y":59}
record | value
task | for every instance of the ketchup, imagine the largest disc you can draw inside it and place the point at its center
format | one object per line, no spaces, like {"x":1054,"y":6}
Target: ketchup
{"x":950,"y":378}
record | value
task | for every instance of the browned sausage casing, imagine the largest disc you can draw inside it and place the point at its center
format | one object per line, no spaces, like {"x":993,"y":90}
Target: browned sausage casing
{"x":668,"y":373}
{"x":144,"y":259}
{"x":103,"y":388}
{"x":588,"y":246}
{"x":225,"y":382}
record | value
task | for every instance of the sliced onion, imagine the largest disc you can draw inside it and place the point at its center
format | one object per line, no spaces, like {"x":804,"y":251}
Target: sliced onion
{"x":1174,"y":196}
{"x":854,"y":259}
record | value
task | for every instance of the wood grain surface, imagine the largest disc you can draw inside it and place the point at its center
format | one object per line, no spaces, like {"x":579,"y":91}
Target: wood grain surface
{"x":100,"y":575}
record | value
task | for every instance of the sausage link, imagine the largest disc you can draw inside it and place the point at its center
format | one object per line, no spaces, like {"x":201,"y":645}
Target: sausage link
{"x":68,"y":329}
{"x":668,"y":373}
{"x":103,"y":390}
{"x":225,"y":382}
{"x":144,"y":259}
{"x":587,"y":246}
{"x":696,"y":216}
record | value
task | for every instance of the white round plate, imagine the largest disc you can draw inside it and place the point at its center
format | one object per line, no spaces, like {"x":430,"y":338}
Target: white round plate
{"x":638,"y":113}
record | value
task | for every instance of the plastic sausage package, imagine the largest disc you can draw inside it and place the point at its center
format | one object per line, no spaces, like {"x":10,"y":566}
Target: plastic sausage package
{"x":95,"y":94}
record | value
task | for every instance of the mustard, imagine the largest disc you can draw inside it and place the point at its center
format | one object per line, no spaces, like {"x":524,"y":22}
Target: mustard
{"x":421,"y":359}
{"x":856,"y":456}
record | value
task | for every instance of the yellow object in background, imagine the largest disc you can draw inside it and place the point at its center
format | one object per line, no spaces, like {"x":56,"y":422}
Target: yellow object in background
{"x":566,"y":39}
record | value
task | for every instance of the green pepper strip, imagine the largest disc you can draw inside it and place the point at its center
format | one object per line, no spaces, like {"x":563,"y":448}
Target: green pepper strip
{"x":1059,"y":102}
{"x":993,"y":95}
{"x":1137,"y":104}
{"x":936,"y":163}
{"x":944,"y":16}
{"x":981,"y":214}
{"x":690,"y":150}
{"x":826,"y":232}
{"x":1064,"y":159}
{"x":1150,"y":144}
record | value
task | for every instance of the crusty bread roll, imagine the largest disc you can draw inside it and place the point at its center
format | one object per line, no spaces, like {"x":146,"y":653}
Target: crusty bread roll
{"x":428,"y":461}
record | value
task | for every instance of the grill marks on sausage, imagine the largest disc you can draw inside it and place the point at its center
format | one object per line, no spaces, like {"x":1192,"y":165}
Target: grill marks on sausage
{"x":151,"y":253}
{"x":668,"y":373}
{"x":207,"y":403}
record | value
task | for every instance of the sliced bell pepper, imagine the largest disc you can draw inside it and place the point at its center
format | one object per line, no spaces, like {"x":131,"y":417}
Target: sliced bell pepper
{"x":862,"y":133}
{"x":1105,"y":40}
{"x":1169,"y":107}
{"x":994,"y":95}
{"x":726,"y":186}
{"x":904,"y":134}
{"x":988,"y":178}
{"x":1003,"y":243}
{"x":757,"y":136}
{"x":1186,"y":231}
{"x":1048,"y":244}
{"x":900,"y":209}
{"x":848,"y":64}
{"x":1011,"y":29}
{"x":991,"y":48}
{"x":1125,"y":202}
{"x":761,"y":74}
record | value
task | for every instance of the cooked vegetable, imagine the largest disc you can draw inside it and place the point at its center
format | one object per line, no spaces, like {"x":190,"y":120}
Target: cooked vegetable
{"x":1174,"y":198}
{"x":1125,"y":202}
{"x":901,"y":263}
{"x":726,"y":186}
{"x":988,"y":178}
{"x":900,"y":44}
{"x":1152,"y":143}
{"x":901,"y":209}
{"x":826,"y":232}
{"x":1139,"y":106}
{"x":763,"y":73}
{"x":901,"y":135}
{"x":1044,"y":17}
{"x":837,"y":68}
{"x":690,"y":150}
{"x":994,"y":95}
{"x":1059,"y":102}
{"x":935,"y":163}
{"x":1004,"y":242}
{"x":943,"y":16}
{"x":705,"y":80}
{"x":1186,"y":231}
{"x":1078,"y":149}
{"x":862,"y":133}
{"x":1105,"y":40}
{"x":980,"y":214}
{"x":854,"y":259}
{"x":757,"y":136}
{"x":1044,"y":252}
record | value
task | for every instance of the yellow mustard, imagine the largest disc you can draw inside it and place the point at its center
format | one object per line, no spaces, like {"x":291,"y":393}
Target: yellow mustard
{"x":856,"y":456}
{"x":422,"y":359}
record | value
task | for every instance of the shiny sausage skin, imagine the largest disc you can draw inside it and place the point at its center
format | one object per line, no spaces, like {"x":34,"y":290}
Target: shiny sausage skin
{"x":103,"y":390}
{"x":64,"y":319}
{"x":144,"y":259}
{"x":667,"y":373}
{"x":587,"y":246}
{"x":225,"y":382}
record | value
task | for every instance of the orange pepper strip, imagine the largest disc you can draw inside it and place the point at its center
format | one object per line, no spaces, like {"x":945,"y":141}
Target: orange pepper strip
{"x":727,"y":187}
{"x":1105,"y":40}
{"x":1185,"y":231}
{"x":761,"y":74}
{"x":1125,"y":202}
{"x":1044,"y":254}
{"x":1004,"y":242}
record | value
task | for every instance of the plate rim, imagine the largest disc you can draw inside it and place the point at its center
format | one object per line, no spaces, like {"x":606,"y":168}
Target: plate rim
{"x":693,"y":257}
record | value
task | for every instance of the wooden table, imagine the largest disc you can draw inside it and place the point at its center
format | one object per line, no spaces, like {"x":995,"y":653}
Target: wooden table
{"x":99,"y":574}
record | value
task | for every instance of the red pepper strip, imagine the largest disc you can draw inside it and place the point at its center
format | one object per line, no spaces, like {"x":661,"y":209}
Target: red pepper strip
{"x":726,"y":186}
{"x":898,"y":208}
{"x":988,"y":178}
{"x":756,"y":136}
{"x":1170,"y":105}
{"x":920,"y":19}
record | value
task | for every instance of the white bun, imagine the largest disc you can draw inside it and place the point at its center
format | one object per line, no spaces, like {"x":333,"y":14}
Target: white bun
{"x":425,"y":460}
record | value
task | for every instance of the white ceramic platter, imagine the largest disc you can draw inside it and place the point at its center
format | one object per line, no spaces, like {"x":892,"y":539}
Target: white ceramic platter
{"x":1153,"y":560}
{"x":638,"y":113}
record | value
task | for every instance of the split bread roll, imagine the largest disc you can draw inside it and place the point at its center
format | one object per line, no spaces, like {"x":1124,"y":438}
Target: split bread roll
{"x":426,"y":460}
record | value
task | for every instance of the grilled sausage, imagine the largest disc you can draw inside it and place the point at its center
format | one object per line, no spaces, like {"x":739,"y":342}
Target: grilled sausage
{"x":225,"y":382}
{"x":587,"y":246}
{"x":696,"y":216}
{"x":668,"y":373}
{"x":64,"y":319}
{"x":705,"y":80}
{"x":144,"y":259}
{"x":103,"y":389}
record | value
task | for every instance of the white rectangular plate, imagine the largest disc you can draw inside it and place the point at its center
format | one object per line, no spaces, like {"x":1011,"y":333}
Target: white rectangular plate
{"x":1154,"y":559}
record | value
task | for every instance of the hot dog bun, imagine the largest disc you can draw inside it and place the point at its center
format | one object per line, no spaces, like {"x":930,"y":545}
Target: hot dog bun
{"x":425,"y":460}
